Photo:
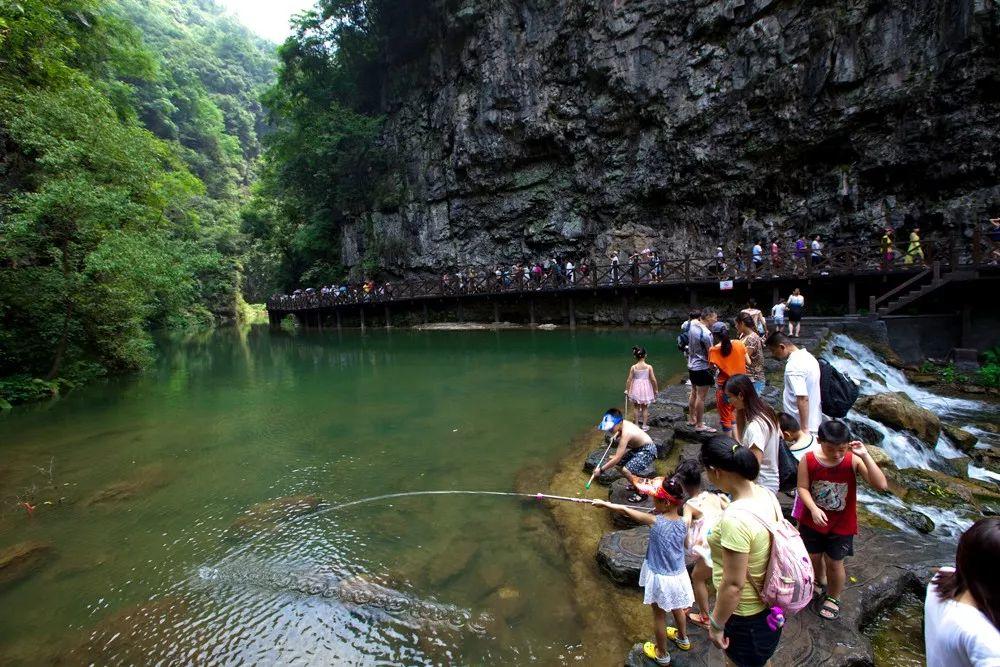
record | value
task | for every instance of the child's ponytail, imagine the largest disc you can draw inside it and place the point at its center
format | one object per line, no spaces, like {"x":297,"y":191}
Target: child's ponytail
{"x":639,"y":353}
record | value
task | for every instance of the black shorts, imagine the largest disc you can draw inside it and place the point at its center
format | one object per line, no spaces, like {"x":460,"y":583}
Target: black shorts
{"x":837,"y":547}
{"x":794,"y":314}
{"x":701,"y":378}
{"x":751,"y":641}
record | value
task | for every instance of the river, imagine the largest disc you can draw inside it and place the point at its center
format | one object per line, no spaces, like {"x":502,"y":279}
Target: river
{"x":142,"y":487}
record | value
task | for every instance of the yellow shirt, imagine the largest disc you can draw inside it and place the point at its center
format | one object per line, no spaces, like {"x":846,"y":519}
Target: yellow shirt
{"x":744,"y":534}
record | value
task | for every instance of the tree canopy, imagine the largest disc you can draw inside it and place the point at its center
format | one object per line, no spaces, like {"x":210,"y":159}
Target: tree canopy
{"x":129,"y":132}
{"x":324,"y":164}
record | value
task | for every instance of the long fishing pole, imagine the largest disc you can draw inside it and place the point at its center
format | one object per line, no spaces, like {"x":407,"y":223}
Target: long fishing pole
{"x":589,"y":501}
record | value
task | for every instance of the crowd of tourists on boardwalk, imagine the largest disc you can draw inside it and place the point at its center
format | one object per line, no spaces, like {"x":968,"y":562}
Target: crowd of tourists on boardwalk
{"x":718,"y":518}
{"x":761,"y":258}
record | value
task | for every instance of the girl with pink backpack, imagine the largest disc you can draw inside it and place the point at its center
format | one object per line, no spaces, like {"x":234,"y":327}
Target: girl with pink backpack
{"x":760,"y":566}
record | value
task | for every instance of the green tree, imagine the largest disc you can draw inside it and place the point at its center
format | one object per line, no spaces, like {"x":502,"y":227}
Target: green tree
{"x":121,"y":176}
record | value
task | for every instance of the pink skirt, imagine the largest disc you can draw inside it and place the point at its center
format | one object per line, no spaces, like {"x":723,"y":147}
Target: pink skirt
{"x":641,"y":392}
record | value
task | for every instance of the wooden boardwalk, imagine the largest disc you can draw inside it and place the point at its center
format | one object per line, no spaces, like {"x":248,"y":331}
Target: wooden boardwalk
{"x":940,"y":264}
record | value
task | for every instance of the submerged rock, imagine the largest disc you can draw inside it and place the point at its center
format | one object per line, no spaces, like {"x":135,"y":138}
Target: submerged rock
{"x":898,"y":411}
{"x":20,"y":560}
{"x":268,"y":514}
{"x":145,"y":480}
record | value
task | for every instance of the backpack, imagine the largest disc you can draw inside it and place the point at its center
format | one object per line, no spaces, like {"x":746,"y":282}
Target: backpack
{"x":788,"y":468}
{"x":788,"y":580}
{"x":682,"y":342}
{"x":837,"y":391}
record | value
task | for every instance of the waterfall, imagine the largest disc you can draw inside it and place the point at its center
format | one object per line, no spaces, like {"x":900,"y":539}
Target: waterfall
{"x":876,"y":377}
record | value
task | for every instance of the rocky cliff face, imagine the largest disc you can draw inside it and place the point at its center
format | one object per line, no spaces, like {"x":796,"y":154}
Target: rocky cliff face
{"x":530,"y":127}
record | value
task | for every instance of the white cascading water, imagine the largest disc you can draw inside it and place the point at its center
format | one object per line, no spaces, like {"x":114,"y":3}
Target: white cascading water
{"x":906,"y":451}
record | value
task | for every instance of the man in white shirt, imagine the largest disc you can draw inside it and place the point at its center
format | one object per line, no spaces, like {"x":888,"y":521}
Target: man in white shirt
{"x":801,"y":397}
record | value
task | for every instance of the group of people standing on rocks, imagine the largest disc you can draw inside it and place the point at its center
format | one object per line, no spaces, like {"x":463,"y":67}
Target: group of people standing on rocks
{"x":717,"y":518}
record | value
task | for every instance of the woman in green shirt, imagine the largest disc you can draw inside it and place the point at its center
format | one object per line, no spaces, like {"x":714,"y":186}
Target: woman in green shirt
{"x":740,"y":546}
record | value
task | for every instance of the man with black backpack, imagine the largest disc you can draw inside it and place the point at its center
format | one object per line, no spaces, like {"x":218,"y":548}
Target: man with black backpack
{"x":801,"y":397}
{"x":682,"y":337}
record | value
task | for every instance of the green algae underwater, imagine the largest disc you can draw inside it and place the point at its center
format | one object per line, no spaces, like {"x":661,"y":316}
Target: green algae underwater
{"x":182,"y":515}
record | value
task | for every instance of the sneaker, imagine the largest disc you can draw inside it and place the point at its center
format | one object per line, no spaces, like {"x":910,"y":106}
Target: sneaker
{"x":645,"y":427}
{"x":673,"y":634}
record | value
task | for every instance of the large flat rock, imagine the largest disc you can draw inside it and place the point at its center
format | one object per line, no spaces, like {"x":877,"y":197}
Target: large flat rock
{"x":620,"y":554}
{"x":886,"y":566}
{"x":619,"y":492}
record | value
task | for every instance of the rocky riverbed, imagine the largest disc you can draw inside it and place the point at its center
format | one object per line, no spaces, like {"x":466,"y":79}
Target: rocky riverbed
{"x":927,"y":455}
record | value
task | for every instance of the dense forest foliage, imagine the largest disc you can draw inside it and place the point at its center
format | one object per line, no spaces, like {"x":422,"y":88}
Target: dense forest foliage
{"x":324,"y":165}
{"x":129,"y":134}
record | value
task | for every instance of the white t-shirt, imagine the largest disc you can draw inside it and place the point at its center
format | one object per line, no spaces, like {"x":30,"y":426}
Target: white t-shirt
{"x":957,"y":634}
{"x":764,"y":436}
{"x":778,"y":312}
{"x":802,"y":379}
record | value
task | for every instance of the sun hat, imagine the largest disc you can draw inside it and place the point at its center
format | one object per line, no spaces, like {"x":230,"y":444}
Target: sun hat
{"x":609,"y":421}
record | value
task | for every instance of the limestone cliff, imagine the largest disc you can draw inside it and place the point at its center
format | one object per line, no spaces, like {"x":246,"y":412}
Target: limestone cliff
{"x":527,"y":127}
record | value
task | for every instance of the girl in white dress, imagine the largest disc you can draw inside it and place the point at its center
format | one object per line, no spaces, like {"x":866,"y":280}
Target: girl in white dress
{"x":664,"y":577}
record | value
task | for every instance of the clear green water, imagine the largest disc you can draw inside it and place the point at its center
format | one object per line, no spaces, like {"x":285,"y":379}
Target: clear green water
{"x":158,"y":573}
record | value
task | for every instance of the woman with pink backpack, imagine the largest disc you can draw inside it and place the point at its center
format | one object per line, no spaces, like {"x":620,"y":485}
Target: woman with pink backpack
{"x":760,"y":567}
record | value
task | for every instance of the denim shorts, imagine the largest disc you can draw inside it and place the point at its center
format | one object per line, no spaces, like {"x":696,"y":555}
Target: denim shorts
{"x":751,"y":641}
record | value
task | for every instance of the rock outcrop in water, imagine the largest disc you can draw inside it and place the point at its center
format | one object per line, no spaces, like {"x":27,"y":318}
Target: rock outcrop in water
{"x":20,"y":560}
{"x":524,"y":128}
{"x":897,"y":410}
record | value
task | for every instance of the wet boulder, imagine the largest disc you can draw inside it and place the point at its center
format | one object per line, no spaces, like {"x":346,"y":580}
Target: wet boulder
{"x":897,"y":410}
{"x":620,"y":554}
{"x":880,"y":456}
{"x":866,"y":433}
{"x":938,"y":489}
{"x":962,"y":438}
{"x":620,"y":492}
{"x":904,"y":516}
{"x":20,"y":560}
